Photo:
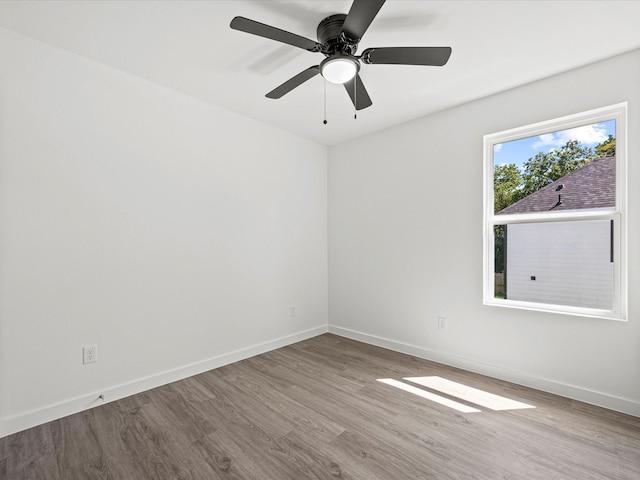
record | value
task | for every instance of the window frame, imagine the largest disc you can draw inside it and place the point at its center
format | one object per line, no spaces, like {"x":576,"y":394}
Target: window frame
{"x":617,"y":112}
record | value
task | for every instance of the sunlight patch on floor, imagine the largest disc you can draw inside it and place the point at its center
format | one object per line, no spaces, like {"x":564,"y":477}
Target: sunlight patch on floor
{"x":457,"y":390}
{"x":469,"y":394}
{"x":428,"y":395}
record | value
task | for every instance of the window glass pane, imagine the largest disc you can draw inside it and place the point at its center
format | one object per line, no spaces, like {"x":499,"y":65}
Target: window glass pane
{"x":559,"y":263}
{"x":569,"y":169}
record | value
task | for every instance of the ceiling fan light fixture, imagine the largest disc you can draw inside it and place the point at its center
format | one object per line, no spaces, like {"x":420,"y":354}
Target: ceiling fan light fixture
{"x":339,"y":68}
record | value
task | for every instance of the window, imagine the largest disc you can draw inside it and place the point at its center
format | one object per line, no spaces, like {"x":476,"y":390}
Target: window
{"x":554,"y":210}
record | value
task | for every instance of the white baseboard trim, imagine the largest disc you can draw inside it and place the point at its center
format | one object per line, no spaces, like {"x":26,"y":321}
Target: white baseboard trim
{"x":25,"y":420}
{"x":520,"y":378}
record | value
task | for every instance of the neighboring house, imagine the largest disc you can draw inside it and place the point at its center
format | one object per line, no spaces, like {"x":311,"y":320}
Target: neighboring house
{"x":564,"y":262}
{"x":592,"y":186}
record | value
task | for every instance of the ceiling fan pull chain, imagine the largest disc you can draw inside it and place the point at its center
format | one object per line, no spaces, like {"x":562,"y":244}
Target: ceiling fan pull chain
{"x":324,"y":82}
{"x":355,"y":97}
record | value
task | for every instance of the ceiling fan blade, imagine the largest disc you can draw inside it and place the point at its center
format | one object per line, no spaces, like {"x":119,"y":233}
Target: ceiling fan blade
{"x":434,"y":56}
{"x":359,"y":18}
{"x":294,"y":82}
{"x":273,"y":33}
{"x":357,"y":92}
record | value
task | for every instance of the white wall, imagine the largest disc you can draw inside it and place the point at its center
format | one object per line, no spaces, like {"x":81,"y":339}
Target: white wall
{"x":405,"y":245}
{"x":171,"y":233}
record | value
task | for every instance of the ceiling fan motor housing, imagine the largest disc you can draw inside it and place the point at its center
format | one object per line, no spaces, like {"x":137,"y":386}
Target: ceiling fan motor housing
{"x":329,"y":34}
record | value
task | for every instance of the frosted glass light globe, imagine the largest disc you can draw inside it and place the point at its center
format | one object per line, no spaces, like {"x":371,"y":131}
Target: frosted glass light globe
{"x":339,"y":69}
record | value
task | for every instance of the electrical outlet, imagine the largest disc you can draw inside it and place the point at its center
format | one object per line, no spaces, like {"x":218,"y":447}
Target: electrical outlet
{"x":292,"y":311}
{"x":442,"y":324}
{"x":90,"y":354}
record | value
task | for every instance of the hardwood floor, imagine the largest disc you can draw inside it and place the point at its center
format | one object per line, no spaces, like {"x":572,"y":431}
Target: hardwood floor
{"x":316,"y":410}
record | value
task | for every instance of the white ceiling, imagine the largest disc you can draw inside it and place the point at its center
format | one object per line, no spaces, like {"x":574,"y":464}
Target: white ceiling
{"x":188,"y":46}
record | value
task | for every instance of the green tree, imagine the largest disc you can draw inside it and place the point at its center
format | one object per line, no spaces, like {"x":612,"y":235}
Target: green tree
{"x":545,"y":168}
{"x":507,"y":184}
{"x":499,"y":234}
{"x":606,"y":148}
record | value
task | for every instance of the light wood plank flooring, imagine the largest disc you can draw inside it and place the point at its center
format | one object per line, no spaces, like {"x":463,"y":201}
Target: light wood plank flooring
{"x":316,"y":410}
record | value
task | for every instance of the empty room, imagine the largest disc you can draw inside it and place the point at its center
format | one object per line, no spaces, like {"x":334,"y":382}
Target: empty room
{"x":292,"y":239}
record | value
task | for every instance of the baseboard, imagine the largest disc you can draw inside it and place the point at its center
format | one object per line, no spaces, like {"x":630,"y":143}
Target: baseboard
{"x":520,"y":378}
{"x":17,"y":423}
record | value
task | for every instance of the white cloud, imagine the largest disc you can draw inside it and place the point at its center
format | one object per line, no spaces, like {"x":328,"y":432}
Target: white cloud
{"x":588,"y":135}
{"x":544,"y":140}
{"x":497,"y":147}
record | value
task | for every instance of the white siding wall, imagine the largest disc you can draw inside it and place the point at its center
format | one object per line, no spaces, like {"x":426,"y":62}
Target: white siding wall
{"x":569,"y":260}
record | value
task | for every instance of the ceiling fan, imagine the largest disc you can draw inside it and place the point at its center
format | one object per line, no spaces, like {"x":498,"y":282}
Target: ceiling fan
{"x":338,"y":39}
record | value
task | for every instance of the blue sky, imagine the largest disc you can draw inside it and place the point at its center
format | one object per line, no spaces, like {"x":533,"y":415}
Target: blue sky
{"x":519,"y":151}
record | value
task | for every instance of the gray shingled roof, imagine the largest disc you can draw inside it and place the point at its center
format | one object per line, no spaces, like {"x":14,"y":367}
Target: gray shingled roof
{"x":592,"y":186}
